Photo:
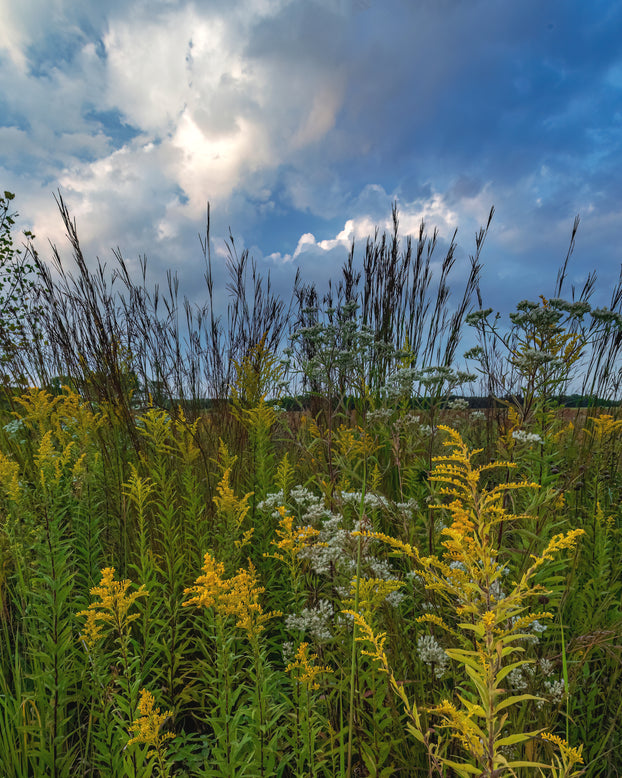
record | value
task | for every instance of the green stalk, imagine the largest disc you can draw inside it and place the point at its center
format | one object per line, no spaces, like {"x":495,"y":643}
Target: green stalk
{"x":356,"y":607}
{"x":566,"y":687}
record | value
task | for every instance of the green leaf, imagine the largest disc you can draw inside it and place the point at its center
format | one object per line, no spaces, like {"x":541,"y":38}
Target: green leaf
{"x":477,"y":628}
{"x":416,"y":733}
{"x":518,"y":737}
{"x":528,"y":764}
{"x":508,"y":669}
{"x":514,"y":700}
{"x":463,"y":769}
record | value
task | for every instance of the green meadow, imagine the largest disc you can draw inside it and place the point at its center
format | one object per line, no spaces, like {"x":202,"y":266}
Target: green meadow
{"x":306,"y":537}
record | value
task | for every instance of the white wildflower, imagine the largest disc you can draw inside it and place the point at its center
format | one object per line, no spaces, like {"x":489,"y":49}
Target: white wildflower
{"x":517,"y":680}
{"x":556,"y":689}
{"x":380,"y":416}
{"x":546,"y":666}
{"x":287,"y":650}
{"x":314,"y":621}
{"x":526,"y":437}
{"x":394,"y":598}
{"x":432,"y":653}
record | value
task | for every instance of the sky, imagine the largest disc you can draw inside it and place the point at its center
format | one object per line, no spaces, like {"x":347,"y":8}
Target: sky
{"x":302,"y":121}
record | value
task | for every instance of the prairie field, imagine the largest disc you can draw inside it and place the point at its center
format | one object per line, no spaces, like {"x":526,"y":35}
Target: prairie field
{"x":308,"y":540}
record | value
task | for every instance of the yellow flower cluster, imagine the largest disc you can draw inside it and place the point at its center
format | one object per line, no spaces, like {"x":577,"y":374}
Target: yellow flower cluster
{"x":51,"y":462}
{"x":462,"y":724}
{"x":231,"y":508}
{"x":570,"y":756}
{"x":67,"y":415}
{"x":354,"y":443}
{"x":112,"y":607}
{"x":9,"y":476}
{"x":604,"y":426}
{"x":372,"y":594}
{"x":147,"y":727}
{"x":237,"y":596}
{"x":291,"y":541}
{"x":305,"y":669}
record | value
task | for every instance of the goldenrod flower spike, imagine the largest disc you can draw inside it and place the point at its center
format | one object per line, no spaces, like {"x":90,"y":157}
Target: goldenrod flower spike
{"x":237,"y":596}
{"x":9,"y":477}
{"x":147,"y":727}
{"x":112,"y":607}
{"x":307,"y":670}
{"x":208,"y":586}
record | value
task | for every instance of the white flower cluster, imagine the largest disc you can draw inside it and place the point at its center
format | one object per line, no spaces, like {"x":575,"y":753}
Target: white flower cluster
{"x":556,"y":689}
{"x":309,"y":506}
{"x":477,"y":415}
{"x":432,"y":653}
{"x":379,"y":416}
{"x":335,"y":548}
{"x":328,"y":553}
{"x":526,"y":437}
{"x":459,"y":404}
{"x":16,"y":429}
{"x":408,"y":508}
{"x":287,"y":651}
{"x":395,"y":598}
{"x":315,"y":621}
{"x":406,"y":423}
{"x":372,"y":501}
{"x":546,"y":666}
{"x":517,"y":680}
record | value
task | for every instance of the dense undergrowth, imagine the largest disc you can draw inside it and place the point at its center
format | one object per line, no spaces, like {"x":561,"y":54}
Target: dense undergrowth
{"x":353,"y":589}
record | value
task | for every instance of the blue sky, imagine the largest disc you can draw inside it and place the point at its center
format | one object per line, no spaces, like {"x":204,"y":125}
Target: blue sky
{"x":302,"y":121}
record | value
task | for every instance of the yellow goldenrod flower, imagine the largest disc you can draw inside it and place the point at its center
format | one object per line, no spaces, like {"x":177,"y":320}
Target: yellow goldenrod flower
{"x":9,"y":472}
{"x":291,"y":540}
{"x":208,"y":586}
{"x":231,"y":508}
{"x":147,"y":727}
{"x":112,"y":607}
{"x":237,"y":596}
{"x":570,"y":755}
{"x":305,"y":669}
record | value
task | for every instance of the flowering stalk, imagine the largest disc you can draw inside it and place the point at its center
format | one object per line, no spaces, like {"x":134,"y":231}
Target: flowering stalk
{"x":489,"y":624}
{"x":305,"y":672}
{"x":147,"y":727}
{"x":237,"y":597}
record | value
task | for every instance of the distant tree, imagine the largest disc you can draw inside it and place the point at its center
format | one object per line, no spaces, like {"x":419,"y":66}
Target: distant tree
{"x":18,"y":281}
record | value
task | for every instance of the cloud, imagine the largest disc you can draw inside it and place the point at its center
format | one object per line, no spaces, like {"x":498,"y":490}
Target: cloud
{"x":303,"y":122}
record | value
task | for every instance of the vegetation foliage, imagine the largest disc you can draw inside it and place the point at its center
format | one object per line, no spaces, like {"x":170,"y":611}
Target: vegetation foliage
{"x":360,"y":587}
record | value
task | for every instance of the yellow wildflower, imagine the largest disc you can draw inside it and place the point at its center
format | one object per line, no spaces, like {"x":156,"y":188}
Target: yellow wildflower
{"x":147,"y":727}
{"x":237,"y":596}
{"x":9,"y":476}
{"x":112,"y":607}
{"x":307,"y":671}
{"x":570,"y":755}
{"x":489,"y":620}
{"x":209,"y":585}
{"x":291,"y":540}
